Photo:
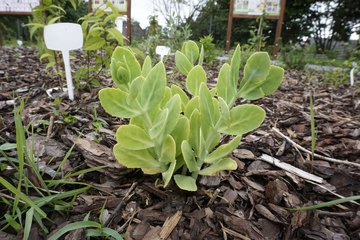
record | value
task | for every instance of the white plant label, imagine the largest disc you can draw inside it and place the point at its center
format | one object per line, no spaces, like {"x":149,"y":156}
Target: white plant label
{"x":162,"y":51}
{"x":64,"y":37}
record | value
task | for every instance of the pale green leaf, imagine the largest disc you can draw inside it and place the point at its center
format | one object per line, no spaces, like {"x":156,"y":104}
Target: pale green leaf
{"x":159,"y":124}
{"x":153,"y":87}
{"x":125,"y":58}
{"x":223,"y":150}
{"x":168,"y":150}
{"x":181,"y":132}
{"x":134,"y":90}
{"x":168,"y":173}
{"x":220,"y":165}
{"x":201,"y":56}
{"x":244,"y":118}
{"x":263,"y":88}
{"x":184,"y":98}
{"x":225,"y":87}
{"x":135,"y":158}
{"x":189,"y":156}
{"x":146,"y":68}
{"x":191,"y":106}
{"x":195,"y":126}
{"x":235,"y":67}
{"x":182,"y":63}
{"x":186,"y":183}
{"x":191,"y":51}
{"x":133,"y":137}
{"x":114,"y":102}
{"x":195,"y":77}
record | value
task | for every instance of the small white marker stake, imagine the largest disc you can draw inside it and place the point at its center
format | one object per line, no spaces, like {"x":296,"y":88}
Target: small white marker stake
{"x":64,"y":37}
{"x":162,"y":51}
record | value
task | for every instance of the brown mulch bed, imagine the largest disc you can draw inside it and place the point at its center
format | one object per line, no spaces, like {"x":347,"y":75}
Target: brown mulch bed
{"x":253,"y":202}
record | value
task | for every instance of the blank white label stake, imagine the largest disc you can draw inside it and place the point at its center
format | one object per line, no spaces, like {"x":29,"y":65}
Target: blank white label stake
{"x":64,"y":37}
{"x":162,"y":51}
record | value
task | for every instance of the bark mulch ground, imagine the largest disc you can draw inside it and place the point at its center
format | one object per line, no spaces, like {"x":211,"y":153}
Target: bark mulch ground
{"x":253,"y":202}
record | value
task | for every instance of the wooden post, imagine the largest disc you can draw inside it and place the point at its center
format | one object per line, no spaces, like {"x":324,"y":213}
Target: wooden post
{"x":90,"y":6}
{"x":128,"y":22}
{"x":229,"y":28}
{"x":279,"y":28}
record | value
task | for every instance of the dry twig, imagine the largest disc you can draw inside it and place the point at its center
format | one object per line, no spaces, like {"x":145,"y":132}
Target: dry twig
{"x":333,"y":160}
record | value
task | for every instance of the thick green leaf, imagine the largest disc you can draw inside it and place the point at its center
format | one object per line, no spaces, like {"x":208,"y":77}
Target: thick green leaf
{"x":166,"y":97}
{"x":225,"y":87}
{"x":116,"y":34}
{"x":186,"y":183}
{"x":146,"y":68}
{"x":235,"y":67}
{"x":223,"y":150}
{"x":201,"y":56}
{"x":153,"y":87}
{"x":273,"y":80}
{"x":133,"y":137}
{"x":181,"y":132}
{"x":195,"y":127}
{"x":195,"y":77}
{"x":244,"y":118}
{"x":134,"y":91}
{"x":257,"y":67}
{"x":159,"y":124}
{"x":174,"y":107}
{"x":191,"y":51}
{"x":168,"y":173}
{"x":225,"y":112}
{"x":114,"y":102}
{"x":269,"y":85}
{"x":191,"y":106}
{"x":182,"y":63}
{"x":168,"y":150}
{"x":94,"y":43}
{"x":125,"y":58}
{"x":184,"y":98}
{"x":189,"y":156}
{"x":135,"y":158}
{"x":220,"y":165}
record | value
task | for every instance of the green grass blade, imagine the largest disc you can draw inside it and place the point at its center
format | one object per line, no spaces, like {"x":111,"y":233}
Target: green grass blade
{"x":21,"y":196}
{"x":327,"y":204}
{"x":28,"y":223}
{"x":105,"y":232}
{"x":74,"y":226}
{"x":45,"y":200}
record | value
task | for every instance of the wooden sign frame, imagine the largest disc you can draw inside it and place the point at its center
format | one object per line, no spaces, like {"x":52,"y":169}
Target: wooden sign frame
{"x":128,"y":18}
{"x":279,"y":19}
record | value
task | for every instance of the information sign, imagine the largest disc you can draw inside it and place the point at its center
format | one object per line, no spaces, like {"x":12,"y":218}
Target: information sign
{"x":121,"y":4}
{"x":18,"y":6}
{"x":257,"y":7}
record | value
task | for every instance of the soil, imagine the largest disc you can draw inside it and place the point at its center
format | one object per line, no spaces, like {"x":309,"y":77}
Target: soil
{"x":254,"y":202}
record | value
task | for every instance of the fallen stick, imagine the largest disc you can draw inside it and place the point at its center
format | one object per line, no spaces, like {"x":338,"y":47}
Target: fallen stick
{"x":315,"y":154}
{"x":291,"y":169}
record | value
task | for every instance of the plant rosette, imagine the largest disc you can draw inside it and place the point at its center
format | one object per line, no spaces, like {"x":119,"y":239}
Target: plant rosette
{"x":178,"y":136}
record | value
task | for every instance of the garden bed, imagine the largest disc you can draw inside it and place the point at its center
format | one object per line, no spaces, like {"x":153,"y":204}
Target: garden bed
{"x":253,"y":202}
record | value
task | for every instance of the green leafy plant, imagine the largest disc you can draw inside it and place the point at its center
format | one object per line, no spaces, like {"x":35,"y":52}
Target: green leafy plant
{"x":337,"y":77}
{"x":178,"y":136}
{"x":210,"y":51}
{"x":293,"y":57}
{"x":100,"y":39}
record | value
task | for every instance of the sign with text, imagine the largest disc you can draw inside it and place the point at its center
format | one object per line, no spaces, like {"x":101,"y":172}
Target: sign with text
{"x":120,"y":4}
{"x":18,"y":6}
{"x":256,"y":7}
